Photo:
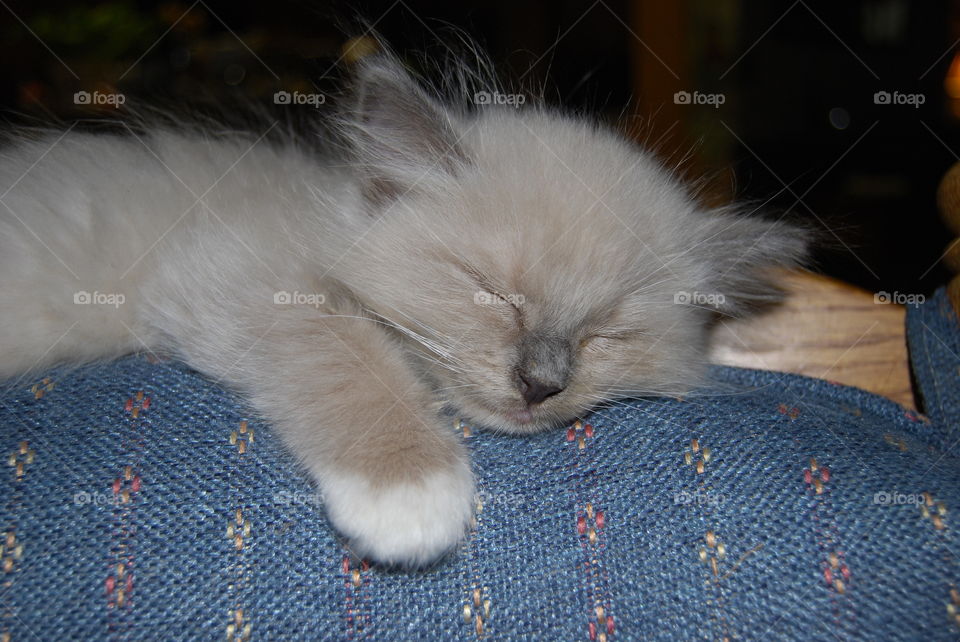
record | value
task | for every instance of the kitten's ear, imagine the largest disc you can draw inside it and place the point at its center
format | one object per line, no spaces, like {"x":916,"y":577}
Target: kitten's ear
{"x":746,"y":257}
{"x":403,"y":138}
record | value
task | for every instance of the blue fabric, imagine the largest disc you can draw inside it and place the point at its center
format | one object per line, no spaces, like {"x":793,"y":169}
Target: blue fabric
{"x":767,"y":506}
{"x":935,"y":355}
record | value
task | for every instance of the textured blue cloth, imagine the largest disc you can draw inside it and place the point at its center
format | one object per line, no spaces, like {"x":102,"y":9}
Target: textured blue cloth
{"x":138,"y":504}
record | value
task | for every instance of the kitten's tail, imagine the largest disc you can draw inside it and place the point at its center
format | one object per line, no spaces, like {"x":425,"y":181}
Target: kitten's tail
{"x":68,"y":277}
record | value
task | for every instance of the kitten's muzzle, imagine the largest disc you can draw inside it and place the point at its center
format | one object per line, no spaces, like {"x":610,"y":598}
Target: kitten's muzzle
{"x":544,"y":369}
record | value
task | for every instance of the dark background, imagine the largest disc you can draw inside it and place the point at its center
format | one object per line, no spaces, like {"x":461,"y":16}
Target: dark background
{"x":799,"y":128}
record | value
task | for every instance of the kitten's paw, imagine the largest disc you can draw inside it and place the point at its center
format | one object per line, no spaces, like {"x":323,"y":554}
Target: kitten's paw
{"x":409,"y":523}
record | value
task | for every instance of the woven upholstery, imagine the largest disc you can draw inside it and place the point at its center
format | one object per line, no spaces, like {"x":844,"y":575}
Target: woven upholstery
{"x":136,"y":503}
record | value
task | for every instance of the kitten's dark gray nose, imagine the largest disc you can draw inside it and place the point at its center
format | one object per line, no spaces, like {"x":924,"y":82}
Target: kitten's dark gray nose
{"x":534,"y":391}
{"x":544,"y":367}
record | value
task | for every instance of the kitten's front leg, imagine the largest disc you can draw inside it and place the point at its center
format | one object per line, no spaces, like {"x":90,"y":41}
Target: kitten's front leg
{"x":395,"y":478}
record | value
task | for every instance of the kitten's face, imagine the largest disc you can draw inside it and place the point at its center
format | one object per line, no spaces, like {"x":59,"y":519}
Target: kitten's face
{"x":535,"y":266}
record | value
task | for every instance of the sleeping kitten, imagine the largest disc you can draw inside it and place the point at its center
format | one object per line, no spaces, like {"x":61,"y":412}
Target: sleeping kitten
{"x":515,"y":264}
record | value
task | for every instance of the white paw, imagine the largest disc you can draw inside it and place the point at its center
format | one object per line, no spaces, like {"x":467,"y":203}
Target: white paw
{"x":409,"y":524}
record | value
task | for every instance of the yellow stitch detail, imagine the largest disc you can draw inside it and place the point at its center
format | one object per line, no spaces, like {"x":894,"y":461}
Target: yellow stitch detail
{"x":838,"y":584}
{"x":687,"y":458}
{"x":233,"y":438}
{"x":238,"y":542}
{"x":694,"y":445}
{"x":813,"y":465}
{"x":818,"y":486}
{"x":589,"y":510}
{"x":231,"y":629}
{"x":938,"y":522}
{"x":951,"y":610}
{"x":955,"y":596}
{"x":12,"y":460}
{"x":924,"y":511}
{"x":229,"y":530}
{"x":577,"y":425}
{"x":140,"y":396}
{"x":246,"y":529}
{"x":242,"y":447}
{"x":721,"y":550}
{"x":928,"y":498}
{"x":703,"y":555}
{"x":707,"y":453}
{"x":120,"y":597}
{"x":30,"y":456}
{"x":238,"y":617}
{"x":467,"y":613}
{"x":8,"y":564}
{"x":479,"y":626}
{"x":355,"y":576}
{"x":19,"y":469}
{"x":125,"y":496}
{"x":713,"y":567}
{"x":250,"y":437}
{"x":581,"y":444}
{"x":239,"y":516}
{"x":476,"y":598}
{"x":486,"y":609}
{"x":128,"y":472}
{"x":941,"y":508}
{"x":602,"y":637}
{"x":711,"y":539}
{"x":593,"y":536}
{"x":243,"y":426}
{"x":120,"y":570}
{"x":700,"y":467}
{"x":247,"y":630}
{"x":23,"y":448}
{"x":11,"y":538}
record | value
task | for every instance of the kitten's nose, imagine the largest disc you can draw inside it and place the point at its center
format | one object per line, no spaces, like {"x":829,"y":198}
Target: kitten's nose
{"x":534,"y":391}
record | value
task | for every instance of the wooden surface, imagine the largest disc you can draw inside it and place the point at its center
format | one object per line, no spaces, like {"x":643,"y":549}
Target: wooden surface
{"x":825,"y":329}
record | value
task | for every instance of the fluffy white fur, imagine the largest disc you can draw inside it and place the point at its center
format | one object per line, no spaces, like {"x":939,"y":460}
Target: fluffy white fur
{"x":425,"y":210}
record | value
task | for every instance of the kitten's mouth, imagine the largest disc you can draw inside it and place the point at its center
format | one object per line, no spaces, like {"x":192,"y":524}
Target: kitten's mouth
{"x":521,"y":417}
